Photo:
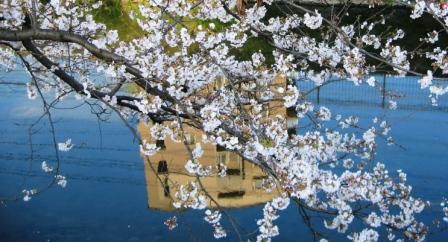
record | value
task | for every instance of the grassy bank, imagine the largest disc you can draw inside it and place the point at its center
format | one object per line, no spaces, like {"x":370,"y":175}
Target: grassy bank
{"x":115,"y":14}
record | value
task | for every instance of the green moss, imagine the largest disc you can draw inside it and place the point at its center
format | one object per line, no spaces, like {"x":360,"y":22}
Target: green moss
{"x":131,"y":88}
{"x":116,"y":16}
{"x":266,"y":142}
{"x":112,"y":8}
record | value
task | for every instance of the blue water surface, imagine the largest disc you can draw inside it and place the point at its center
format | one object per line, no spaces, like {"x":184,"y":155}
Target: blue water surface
{"x":106,"y":198}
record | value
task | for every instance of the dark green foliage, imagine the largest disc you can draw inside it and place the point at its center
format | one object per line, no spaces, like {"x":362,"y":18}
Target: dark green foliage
{"x":111,"y":8}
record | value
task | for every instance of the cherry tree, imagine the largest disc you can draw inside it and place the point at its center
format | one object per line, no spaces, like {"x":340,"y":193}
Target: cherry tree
{"x":321,"y":170}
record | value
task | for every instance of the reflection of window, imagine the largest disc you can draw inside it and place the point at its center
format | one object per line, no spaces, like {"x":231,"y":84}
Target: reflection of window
{"x":258,"y":184}
{"x":291,"y":112}
{"x":266,"y":109}
{"x":166,"y":188}
{"x":220,"y":148}
{"x":190,"y":139}
{"x":161,"y":144}
{"x":162,"y":167}
{"x":233,"y":172}
{"x":219,"y":83}
{"x":292,"y":131}
{"x":231,"y":194}
{"x":221,"y":158}
{"x":260,"y":177}
{"x":258,"y":181}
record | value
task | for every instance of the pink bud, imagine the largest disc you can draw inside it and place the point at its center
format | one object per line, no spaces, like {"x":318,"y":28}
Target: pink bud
{"x":444,"y":5}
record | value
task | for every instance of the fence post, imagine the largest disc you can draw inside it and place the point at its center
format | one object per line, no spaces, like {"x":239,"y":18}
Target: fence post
{"x":383,"y":91}
{"x":318,"y":95}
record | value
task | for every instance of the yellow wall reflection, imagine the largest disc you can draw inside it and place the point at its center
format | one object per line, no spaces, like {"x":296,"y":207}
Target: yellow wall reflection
{"x":240,"y":188}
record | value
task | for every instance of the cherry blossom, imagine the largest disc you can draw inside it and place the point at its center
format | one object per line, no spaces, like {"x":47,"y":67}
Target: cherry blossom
{"x":65,"y":146}
{"x":193,"y":78}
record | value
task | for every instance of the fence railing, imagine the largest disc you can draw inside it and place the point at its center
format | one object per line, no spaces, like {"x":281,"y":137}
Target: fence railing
{"x":406,"y":91}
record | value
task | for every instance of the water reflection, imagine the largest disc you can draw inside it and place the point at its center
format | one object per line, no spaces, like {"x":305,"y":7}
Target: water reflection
{"x":105,"y":201}
{"x":241,"y":187}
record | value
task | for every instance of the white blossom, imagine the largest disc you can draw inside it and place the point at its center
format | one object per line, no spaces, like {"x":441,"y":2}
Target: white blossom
{"x":27,"y":194}
{"x":148,"y":149}
{"x":61,"y":180}
{"x":371,"y":81}
{"x":31,"y":91}
{"x":46,"y":168}
{"x":367,"y":235}
{"x":313,"y":21}
{"x":280,"y":203}
{"x":65,"y":146}
{"x":426,"y":81}
{"x":418,"y":10}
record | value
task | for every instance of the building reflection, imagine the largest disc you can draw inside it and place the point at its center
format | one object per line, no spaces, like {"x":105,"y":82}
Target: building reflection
{"x":241,"y":187}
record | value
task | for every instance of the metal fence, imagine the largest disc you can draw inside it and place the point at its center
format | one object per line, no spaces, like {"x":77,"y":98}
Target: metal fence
{"x":405,"y":91}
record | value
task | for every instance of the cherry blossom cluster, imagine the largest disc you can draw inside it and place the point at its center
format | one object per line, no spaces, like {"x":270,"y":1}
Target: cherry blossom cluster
{"x":190,"y":195}
{"x":171,"y":223}
{"x":65,"y":146}
{"x":213,"y":218}
{"x":444,"y":205}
